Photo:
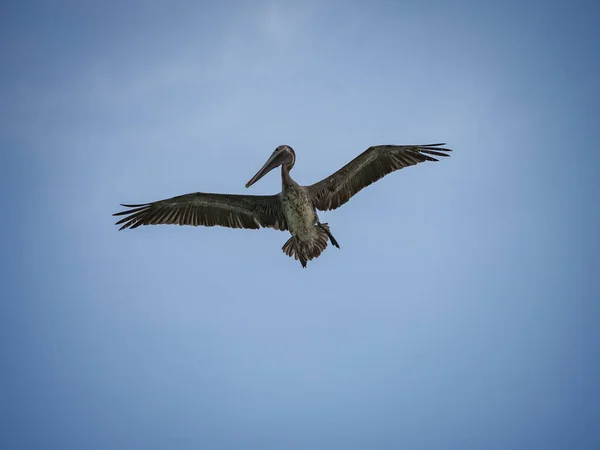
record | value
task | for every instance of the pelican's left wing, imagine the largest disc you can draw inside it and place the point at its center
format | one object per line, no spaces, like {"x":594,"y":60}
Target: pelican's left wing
{"x":226,"y":210}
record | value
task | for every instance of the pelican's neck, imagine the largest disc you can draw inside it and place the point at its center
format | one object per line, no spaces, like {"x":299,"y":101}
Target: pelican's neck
{"x":286,"y":179}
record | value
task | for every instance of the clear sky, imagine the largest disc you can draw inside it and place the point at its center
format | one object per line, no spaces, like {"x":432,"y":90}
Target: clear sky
{"x":461,"y":311}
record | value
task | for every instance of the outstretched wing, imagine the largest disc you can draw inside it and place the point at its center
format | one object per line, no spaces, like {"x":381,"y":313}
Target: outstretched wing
{"x":368,"y":167}
{"x":226,"y":210}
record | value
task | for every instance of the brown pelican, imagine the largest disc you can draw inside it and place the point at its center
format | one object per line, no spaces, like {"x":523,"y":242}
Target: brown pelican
{"x":294,"y":208}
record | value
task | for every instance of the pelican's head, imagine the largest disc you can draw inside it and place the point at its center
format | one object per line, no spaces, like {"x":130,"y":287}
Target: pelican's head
{"x":283,"y":155}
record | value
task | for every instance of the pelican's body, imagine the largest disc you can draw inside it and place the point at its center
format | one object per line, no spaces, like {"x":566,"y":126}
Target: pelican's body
{"x":299,"y":211}
{"x":309,"y":237}
{"x":294,"y":208}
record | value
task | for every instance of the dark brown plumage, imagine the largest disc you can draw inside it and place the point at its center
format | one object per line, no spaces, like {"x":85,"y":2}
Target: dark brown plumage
{"x":226,"y":210}
{"x":368,"y":167}
{"x":293,"y":209}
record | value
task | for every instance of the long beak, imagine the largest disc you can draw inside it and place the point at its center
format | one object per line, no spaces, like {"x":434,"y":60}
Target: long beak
{"x":272,"y":162}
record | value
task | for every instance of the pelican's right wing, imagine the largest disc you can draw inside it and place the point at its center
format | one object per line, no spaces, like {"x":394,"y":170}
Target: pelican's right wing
{"x":368,"y":167}
{"x":226,"y":210}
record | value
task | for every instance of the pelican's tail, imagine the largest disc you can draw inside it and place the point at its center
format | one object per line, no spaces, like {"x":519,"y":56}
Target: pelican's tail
{"x":306,"y":251}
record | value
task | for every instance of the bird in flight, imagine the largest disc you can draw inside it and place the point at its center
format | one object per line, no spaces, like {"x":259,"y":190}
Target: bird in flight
{"x":294,"y":209}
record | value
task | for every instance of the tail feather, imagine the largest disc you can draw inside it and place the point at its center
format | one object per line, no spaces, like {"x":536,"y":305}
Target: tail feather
{"x":306,"y":251}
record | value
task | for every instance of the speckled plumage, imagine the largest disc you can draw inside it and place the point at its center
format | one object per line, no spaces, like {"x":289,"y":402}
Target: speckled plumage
{"x":299,"y":212}
{"x":308,"y":241}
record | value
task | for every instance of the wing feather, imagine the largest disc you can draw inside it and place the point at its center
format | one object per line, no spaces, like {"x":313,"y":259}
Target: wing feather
{"x":227,"y":210}
{"x":368,"y":167}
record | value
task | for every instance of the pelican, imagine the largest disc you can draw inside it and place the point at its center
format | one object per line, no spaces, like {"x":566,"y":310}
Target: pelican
{"x":294,"y":209}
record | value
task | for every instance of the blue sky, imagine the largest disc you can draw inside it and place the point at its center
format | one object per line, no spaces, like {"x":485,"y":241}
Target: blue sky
{"x":462,"y":308}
